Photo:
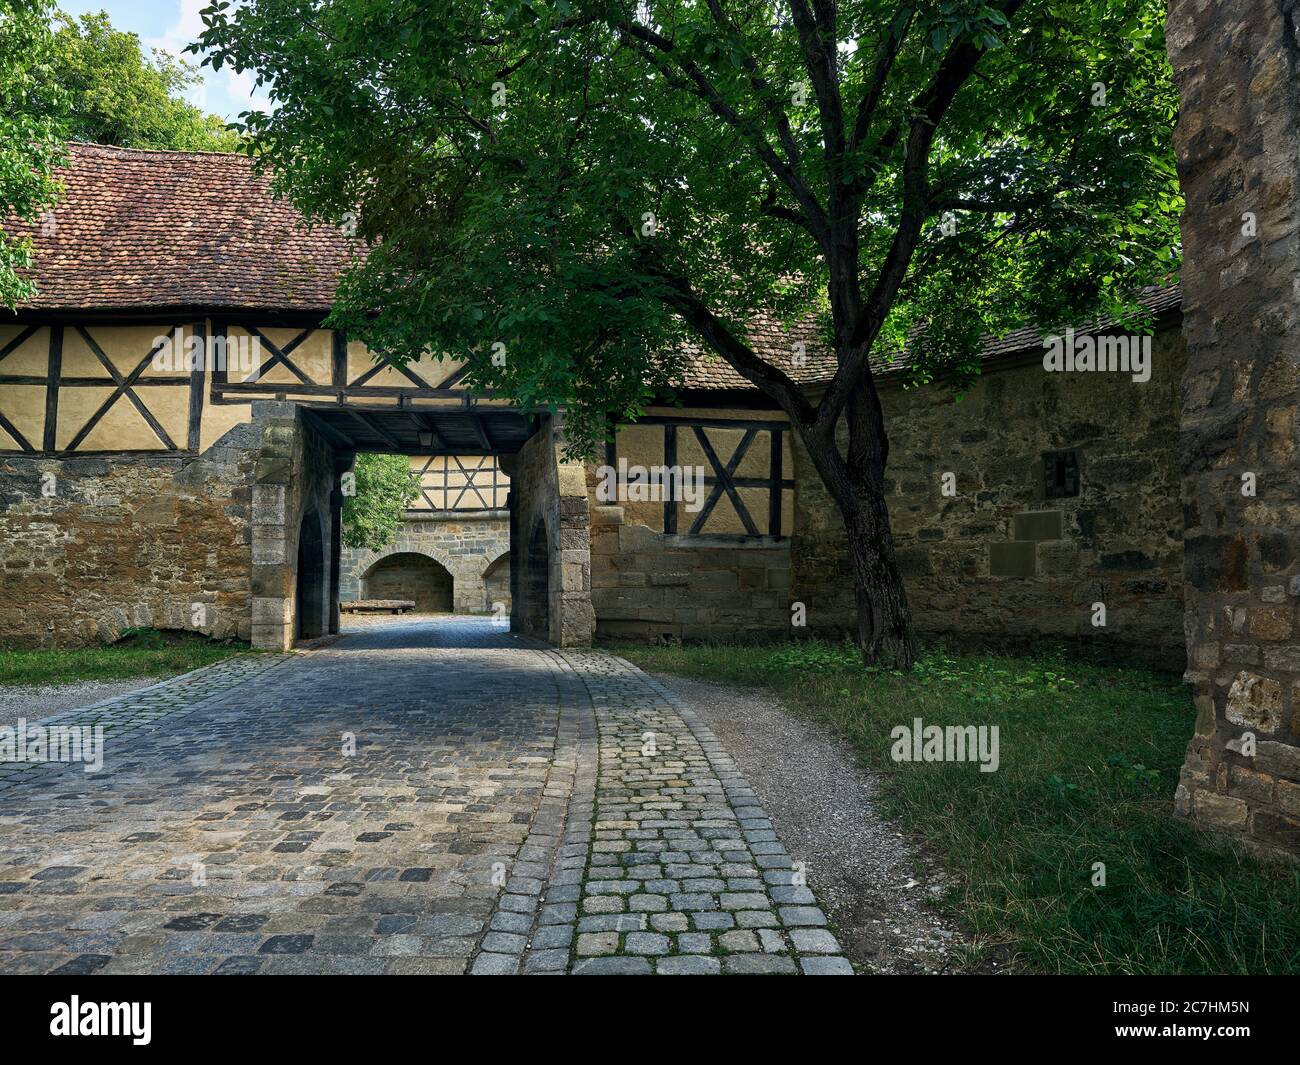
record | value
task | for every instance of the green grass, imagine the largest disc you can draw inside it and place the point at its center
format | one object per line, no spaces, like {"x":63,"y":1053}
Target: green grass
{"x":1089,"y":760}
{"x":140,"y":653}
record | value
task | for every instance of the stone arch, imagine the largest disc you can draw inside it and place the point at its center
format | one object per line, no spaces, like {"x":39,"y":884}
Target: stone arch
{"x":496,"y":583}
{"x":364,"y":561}
{"x":411,"y":575}
{"x":367,"y":558}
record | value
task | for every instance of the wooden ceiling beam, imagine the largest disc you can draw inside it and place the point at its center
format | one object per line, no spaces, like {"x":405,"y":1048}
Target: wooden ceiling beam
{"x":379,"y":431}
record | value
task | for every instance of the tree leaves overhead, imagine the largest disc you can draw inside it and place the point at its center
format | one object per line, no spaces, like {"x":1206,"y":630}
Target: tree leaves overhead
{"x":79,"y":79}
{"x":31,"y":145}
{"x":553,"y":176}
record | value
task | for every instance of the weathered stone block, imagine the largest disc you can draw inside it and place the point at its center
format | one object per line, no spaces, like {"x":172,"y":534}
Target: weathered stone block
{"x":1275,"y":829}
{"x":1042,"y":525}
{"x":1270,"y":623}
{"x":1255,"y":702}
{"x":272,"y":611}
{"x":1014,"y":558}
{"x":1220,"y":811}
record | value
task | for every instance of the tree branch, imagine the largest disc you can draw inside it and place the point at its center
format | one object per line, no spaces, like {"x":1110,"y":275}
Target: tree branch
{"x":817,"y":36}
{"x":886,"y":53}
{"x":648,"y":42}
{"x":683,"y":299}
{"x":953,"y":71}
{"x":763,"y":88}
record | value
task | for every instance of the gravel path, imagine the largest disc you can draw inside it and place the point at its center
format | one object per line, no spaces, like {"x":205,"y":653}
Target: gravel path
{"x":37,"y":701}
{"x":819,"y":797}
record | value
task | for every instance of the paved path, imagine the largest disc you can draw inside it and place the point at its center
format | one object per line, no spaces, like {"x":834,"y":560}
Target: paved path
{"x":416,"y":797}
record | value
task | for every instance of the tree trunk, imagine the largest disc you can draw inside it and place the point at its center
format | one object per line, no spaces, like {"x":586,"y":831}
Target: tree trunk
{"x":856,"y":481}
{"x":885,"y":634}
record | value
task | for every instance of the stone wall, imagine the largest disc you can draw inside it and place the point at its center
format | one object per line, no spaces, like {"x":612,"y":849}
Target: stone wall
{"x":465,"y":543}
{"x":411,"y":577}
{"x":999,"y":561}
{"x":1238,"y":144}
{"x":94,"y":545}
{"x":647,"y":585}
{"x":550,"y":561}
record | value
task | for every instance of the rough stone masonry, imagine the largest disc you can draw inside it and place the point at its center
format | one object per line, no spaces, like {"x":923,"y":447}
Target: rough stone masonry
{"x":1238,"y":144}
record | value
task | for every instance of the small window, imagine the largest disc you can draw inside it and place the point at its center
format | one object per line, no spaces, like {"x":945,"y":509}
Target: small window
{"x":1060,"y":474}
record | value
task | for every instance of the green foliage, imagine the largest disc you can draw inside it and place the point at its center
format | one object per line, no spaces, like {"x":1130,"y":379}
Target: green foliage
{"x":1089,"y":760}
{"x":139,"y":652}
{"x":30,"y":138}
{"x":108,"y":91}
{"x":384,"y":487}
{"x":504,"y":161}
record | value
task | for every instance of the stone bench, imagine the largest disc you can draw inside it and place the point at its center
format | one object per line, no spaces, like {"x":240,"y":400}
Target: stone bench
{"x":377,"y":606}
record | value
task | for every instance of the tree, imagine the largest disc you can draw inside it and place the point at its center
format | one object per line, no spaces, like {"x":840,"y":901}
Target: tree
{"x":385,"y":487}
{"x":31,"y":143}
{"x":590,"y":183}
{"x":110,"y":92}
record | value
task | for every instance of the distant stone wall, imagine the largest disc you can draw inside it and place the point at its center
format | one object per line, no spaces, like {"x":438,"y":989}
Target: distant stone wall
{"x":464,"y":543}
{"x":1237,"y":65}
{"x":1002,"y":558}
{"x":648,"y":585}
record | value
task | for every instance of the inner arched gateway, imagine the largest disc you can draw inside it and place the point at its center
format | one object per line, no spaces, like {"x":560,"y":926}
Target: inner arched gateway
{"x":410,"y":575}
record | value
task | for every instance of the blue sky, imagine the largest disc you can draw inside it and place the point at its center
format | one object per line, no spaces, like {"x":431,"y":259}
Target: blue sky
{"x":171,"y":25}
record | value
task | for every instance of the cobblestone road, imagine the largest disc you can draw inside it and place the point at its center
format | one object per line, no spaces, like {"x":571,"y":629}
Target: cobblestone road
{"x":417,"y":797}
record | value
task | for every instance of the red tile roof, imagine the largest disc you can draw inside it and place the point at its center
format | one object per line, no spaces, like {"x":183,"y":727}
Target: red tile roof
{"x":141,"y":228}
{"x":776,"y":344}
{"x":146,"y":228}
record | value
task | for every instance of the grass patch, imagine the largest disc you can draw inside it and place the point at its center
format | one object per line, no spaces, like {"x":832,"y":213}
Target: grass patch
{"x":1090,"y":757}
{"x":139,"y":653}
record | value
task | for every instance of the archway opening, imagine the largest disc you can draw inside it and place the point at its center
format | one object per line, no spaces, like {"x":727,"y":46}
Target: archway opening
{"x":496,"y":586}
{"x":535,"y":584}
{"x":309,"y":598}
{"x":412,"y":576}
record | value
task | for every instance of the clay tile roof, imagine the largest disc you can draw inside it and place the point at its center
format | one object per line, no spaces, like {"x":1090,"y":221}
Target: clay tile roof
{"x":142,"y":228}
{"x":146,"y":228}
{"x":776,"y":344}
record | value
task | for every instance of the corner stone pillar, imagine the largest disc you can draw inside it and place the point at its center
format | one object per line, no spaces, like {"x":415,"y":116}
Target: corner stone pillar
{"x":1238,"y":145}
{"x":577,"y":618}
{"x":274,"y":548}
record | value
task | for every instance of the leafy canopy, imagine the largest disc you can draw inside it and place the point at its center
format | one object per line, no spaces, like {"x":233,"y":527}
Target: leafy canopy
{"x":109,"y":91}
{"x":385,"y":487}
{"x":31,"y":145}
{"x":590,"y":182}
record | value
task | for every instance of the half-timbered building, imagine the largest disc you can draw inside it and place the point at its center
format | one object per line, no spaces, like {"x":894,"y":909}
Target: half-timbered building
{"x":175,"y":421}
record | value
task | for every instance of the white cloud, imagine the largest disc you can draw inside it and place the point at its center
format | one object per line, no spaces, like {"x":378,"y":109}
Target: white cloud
{"x":223,"y":92}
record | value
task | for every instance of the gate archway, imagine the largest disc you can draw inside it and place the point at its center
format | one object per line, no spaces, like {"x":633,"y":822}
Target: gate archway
{"x":310,"y":598}
{"x":410,"y":575}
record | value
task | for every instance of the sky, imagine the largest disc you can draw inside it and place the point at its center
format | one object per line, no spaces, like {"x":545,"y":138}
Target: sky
{"x":171,"y":25}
